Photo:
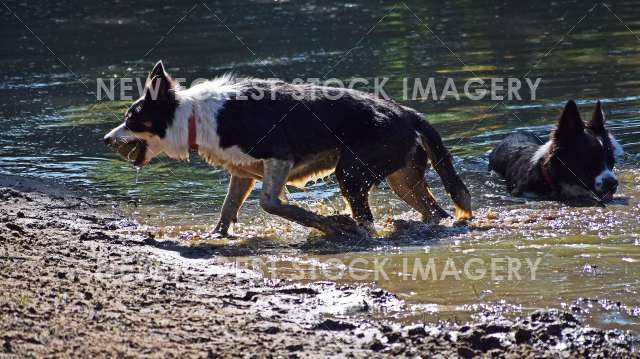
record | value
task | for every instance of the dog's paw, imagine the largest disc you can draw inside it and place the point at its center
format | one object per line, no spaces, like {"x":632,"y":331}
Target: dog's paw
{"x":342,"y":225}
{"x":219,"y":232}
{"x":215,"y":235}
{"x":220,"y":235}
{"x":462,"y":222}
{"x":436,"y":216}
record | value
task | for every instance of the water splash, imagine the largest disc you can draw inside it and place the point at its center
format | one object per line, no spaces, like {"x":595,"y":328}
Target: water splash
{"x":137,"y":173}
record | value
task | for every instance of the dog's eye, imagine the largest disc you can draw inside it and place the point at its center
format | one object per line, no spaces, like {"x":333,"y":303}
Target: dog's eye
{"x":138,"y":124}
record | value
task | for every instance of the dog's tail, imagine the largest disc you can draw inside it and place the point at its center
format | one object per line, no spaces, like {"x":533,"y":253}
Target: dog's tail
{"x":441,"y":161}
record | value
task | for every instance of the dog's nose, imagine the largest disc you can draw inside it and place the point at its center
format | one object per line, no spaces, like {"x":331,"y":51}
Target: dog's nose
{"x":107,"y":140}
{"x":609,"y":184}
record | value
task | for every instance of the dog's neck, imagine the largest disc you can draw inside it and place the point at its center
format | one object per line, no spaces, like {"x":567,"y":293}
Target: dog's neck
{"x":205,"y":102}
{"x":196,"y":116}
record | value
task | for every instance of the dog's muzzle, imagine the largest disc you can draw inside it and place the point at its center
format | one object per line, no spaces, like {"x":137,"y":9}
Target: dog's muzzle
{"x":606,"y":184}
{"x":608,"y":187}
{"x":117,"y":137}
{"x":110,"y":141}
{"x":131,"y":149}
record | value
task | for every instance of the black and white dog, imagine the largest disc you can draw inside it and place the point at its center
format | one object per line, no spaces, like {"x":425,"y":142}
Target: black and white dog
{"x":283,"y":134}
{"x":577,"y":161}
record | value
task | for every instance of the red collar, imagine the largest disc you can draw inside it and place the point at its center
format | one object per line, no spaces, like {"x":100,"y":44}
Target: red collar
{"x":546,"y":175}
{"x":193,"y":146}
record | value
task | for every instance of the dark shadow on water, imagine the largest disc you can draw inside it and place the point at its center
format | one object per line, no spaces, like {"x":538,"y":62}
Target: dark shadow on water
{"x":592,"y":202}
{"x":405,"y":234}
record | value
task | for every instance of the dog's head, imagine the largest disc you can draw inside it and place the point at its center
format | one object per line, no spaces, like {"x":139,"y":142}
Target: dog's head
{"x":148,"y":121}
{"x":581,"y":156}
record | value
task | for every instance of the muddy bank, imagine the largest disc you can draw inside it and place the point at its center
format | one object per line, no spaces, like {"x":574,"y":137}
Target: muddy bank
{"x":79,"y":280}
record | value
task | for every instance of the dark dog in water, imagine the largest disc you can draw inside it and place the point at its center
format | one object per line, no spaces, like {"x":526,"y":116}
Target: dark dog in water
{"x":282,"y":134}
{"x":577,"y":161}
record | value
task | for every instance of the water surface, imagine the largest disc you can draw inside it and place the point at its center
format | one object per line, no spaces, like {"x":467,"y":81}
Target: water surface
{"x":53,"y":125}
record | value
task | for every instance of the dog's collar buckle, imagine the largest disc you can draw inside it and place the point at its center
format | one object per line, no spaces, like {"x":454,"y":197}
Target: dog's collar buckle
{"x":193,"y":145}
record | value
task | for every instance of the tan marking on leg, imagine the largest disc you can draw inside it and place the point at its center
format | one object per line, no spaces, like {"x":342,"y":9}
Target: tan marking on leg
{"x":409,"y":184}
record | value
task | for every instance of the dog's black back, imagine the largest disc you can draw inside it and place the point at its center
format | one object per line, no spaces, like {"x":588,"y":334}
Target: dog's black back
{"x":511,"y":159}
{"x":304,"y":120}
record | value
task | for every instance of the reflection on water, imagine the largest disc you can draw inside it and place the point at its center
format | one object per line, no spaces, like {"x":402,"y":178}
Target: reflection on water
{"x":53,"y":126}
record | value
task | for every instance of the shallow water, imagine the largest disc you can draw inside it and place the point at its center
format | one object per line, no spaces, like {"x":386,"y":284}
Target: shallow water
{"x":53,"y":126}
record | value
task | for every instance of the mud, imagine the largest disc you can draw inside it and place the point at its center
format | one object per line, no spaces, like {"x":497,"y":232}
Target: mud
{"x":79,"y":280}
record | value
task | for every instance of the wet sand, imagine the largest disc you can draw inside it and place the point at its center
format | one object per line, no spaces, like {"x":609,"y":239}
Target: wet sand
{"x":79,"y":280}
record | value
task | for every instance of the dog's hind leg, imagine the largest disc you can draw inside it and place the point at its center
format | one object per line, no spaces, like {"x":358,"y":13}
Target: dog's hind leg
{"x":274,"y":178}
{"x":410,"y":185}
{"x":239,"y":189}
{"x":442,"y":163}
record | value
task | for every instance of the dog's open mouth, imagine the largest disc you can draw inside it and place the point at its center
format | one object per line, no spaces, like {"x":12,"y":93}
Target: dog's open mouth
{"x":134,"y":150}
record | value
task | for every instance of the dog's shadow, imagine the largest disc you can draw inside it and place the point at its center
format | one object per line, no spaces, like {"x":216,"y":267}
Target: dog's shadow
{"x":580,"y":202}
{"x":404,"y":234}
{"x":592,"y":202}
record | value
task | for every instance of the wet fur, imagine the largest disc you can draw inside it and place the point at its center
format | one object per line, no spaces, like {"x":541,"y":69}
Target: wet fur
{"x":578,"y":158}
{"x":302,"y":132}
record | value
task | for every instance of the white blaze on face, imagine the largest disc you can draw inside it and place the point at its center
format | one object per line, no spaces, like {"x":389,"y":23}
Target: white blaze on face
{"x":119,"y":135}
{"x":606,"y":173}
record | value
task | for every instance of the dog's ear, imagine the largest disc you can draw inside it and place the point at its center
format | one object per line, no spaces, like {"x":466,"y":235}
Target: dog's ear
{"x":597,"y":120}
{"x":570,"y":122}
{"x":158,"y":70}
{"x":159,"y":84}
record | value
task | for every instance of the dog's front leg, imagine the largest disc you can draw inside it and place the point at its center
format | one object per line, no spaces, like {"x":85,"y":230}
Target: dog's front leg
{"x":274,"y":178}
{"x":239,"y":189}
